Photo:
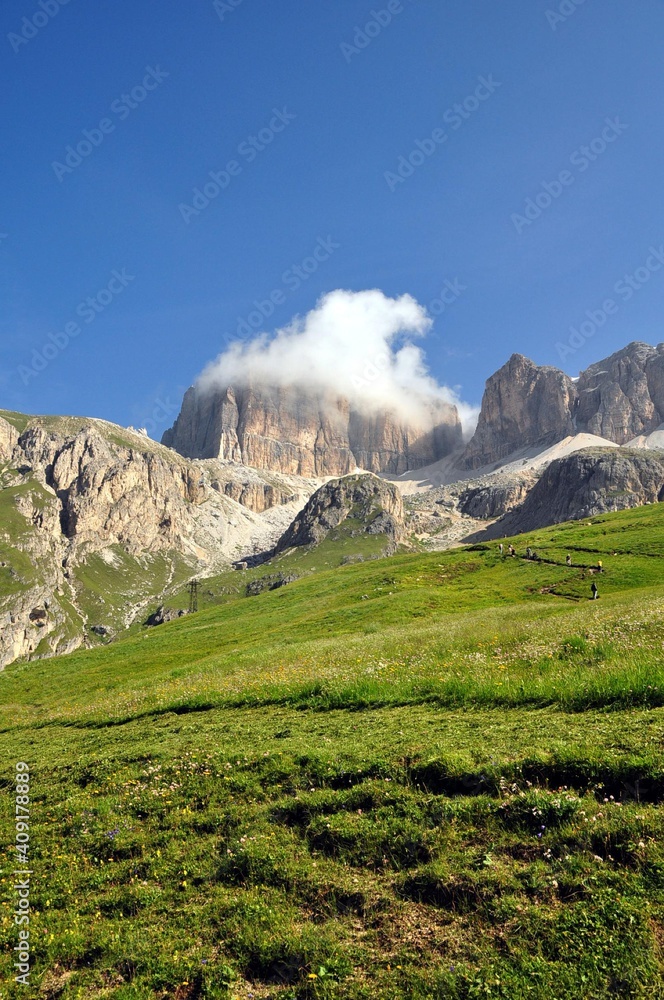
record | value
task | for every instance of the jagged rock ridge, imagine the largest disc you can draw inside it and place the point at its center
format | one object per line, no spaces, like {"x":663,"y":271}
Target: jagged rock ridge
{"x":97,"y":521}
{"x":292,"y":430}
{"x":526,"y":405}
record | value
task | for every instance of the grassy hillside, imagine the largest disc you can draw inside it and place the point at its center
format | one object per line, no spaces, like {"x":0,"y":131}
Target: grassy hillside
{"x":427,"y":776}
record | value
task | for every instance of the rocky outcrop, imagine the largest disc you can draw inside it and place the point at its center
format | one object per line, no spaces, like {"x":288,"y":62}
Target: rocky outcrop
{"x":115,"y":495}
{"x":374,"y":506}
{"x":493,"y":499}
{"x":622,"y":397}
{"x":523,"y":405}
{"x":290,"y":430}
{"x":96,"y":521}
{"x":8,"y":440}
{"x":275,"y":581}
{"x":247,"y":487}
{"x":585,"y":484}
{"x":163,"y":615}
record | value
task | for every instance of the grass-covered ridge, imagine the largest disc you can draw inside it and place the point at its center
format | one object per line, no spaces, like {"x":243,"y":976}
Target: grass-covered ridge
{"x":68,"y":427}
{"x":427,"y":776}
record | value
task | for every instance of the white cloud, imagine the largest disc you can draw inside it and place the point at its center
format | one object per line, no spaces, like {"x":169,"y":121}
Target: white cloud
{"x":353,"y":344}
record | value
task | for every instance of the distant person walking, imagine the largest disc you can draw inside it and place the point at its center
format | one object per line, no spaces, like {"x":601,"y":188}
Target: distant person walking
{"x":510,"y":549}
{"x":569,"y":560}
{"x":593,"y":590}
{"x":529,"y":553}
{"x":599,"y":566}
{"x":501,"y":548}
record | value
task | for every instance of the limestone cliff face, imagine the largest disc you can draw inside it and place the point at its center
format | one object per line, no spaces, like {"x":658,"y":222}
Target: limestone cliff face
{"x":623,"y":396}
{"x":523,"y":405}
{"x":96,"y":521}
{"x":8,"y":440}
{"x":526,"y":405}
{"x":289,"y":430}
{"x":111,"y":494}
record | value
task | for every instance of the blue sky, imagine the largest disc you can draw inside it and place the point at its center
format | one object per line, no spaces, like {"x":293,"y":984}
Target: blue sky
{"x":180,"y":89}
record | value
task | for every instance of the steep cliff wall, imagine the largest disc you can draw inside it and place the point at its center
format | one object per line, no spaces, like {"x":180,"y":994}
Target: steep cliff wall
{"x":526,"y":405}
{"x":290,"y":430}
{"x":97,"y":521}
{"x":523,"y":405}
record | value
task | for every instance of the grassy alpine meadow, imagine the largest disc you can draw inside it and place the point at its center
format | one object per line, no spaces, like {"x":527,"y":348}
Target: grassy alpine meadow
{"x":425,"y":776}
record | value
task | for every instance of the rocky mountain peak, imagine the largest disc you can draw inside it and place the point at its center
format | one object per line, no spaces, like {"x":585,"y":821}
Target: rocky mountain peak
{"x":528,"y":405}
{"x":297,"y":431}
{"x":97,"y":520}
{"x":622,"y":396}
{"x":524,"y":404}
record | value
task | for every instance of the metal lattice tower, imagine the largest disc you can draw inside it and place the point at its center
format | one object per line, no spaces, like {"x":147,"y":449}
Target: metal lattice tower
{"x":193,"y":596}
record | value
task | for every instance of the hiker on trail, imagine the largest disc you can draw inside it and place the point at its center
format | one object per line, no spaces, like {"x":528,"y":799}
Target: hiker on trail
{"x":593,"y":588}
{"x":510,"y":549}
{"x":501,"y":548}
{"x":529,"y":553}
{"x":599,"y":566}
{"x":569,"y":560}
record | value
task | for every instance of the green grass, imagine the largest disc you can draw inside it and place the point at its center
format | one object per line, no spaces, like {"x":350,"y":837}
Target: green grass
{"x":18,"y":420}
{"x":348,"y":543}
{"x":427,"y":776}
{"x":109,"y":585}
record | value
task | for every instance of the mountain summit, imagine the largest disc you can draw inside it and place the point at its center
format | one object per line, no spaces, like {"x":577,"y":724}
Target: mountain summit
{"x":292,"y":430}
{"x":525,"y":405}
